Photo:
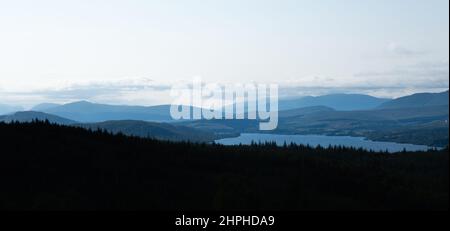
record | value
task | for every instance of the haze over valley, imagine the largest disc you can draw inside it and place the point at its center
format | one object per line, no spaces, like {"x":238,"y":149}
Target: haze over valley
{"x":416,"y":119}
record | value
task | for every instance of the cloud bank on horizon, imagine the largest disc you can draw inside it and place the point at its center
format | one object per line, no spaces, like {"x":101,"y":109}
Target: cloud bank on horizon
{"x":130,"y":52}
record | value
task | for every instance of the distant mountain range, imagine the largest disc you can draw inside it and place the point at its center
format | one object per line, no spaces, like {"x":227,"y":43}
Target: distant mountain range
{"x":87,"y":112}
{"x":84,"y":111}
{"x":425,"y":122}
{"x":419,"y":119}
{"x":45,"y":106}
{"x":162,"y":131}
{"x":418,"y":100}
{"x":28,"y":116}
{"x":341,"y":102}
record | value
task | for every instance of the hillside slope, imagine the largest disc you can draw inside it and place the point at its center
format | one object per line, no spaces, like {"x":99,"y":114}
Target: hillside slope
{"x":342,"y":102}
{"x":28,"y":116}
{"x":84,"y":111}
{"x":49,"y":167}
{"x":418,"y":100}
{"x":161,"y":131}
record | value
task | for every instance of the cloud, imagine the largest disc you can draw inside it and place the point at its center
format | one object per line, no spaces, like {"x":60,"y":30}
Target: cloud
{"x":419,"y":75}
{"x":399,"y":50}
{"x":126,"y":91}
{"x":377,"y":91}
{"x":400,"y":81}
{"x":391,"y":83}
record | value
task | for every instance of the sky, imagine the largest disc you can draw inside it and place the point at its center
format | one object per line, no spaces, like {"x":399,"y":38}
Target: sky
{"x":132,"y":51}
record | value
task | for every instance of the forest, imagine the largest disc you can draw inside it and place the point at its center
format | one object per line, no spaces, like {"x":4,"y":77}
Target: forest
{"x":45,"y":166}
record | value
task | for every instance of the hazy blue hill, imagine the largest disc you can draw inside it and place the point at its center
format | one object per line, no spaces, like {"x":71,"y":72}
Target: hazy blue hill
{"x":224,"y":128}
{"x":426,"y":114}
{"x":419,"y":114}
{"x":305,"y":111}
{"x":342,"y":102}
{"x":84,"y":111}
{"x":44,"y":106}
{"x":418,"y":100}
{"x":28,"y":116}
{"x":433,"y":133}
{"x":162,"y":131}
{"x":7,"y":109}
{"x":425,"y":125}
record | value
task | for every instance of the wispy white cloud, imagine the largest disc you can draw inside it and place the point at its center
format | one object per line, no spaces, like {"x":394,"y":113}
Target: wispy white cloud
{"x":399,"y":81}
{"x":399,"y":50}
{"x":391,"y":83}
{"x":419,"y":75}
{"x":140,"y":90}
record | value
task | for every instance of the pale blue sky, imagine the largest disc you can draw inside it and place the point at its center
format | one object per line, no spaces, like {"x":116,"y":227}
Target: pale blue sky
{"x":60,"y":51}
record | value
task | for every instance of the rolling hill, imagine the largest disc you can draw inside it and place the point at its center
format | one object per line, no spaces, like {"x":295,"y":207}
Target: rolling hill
{"x":60,"y":168}
{"x":342,"y":102}
{"x":305,"y":111}
{"x":418,"y":100}
{"x":84,"y":111}
{"x":44,"y":106}
{"x":417,"y":119}
{"x":28,"y":116}
{"x":425,"y":125}
{"x":160,"y":131}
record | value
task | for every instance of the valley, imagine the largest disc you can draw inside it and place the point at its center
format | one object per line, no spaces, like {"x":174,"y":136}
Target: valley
{"x":420,"y":119}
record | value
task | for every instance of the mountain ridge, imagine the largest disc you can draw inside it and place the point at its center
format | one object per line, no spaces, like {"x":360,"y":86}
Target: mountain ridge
{"x":343,"y":102}
{"x":88,"y":112}
{"x":28,"y":116}
{"x":418,"y":100}
{"x":156,"y":130}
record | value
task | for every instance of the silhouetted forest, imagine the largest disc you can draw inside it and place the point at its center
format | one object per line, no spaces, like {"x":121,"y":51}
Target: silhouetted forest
{"x":51,"y":167}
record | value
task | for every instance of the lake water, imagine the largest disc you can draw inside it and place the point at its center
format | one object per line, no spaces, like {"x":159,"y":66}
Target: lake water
{"x":324,"y":141}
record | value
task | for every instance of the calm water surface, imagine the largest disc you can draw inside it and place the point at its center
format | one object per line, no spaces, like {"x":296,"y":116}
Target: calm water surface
{"x":325,"y":141}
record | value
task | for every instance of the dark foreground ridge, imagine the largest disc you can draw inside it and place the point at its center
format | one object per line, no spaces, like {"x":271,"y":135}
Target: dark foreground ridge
{"x":52,"y":167}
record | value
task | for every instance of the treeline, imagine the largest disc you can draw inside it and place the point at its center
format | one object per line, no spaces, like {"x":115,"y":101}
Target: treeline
{"x":51,"y":167}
